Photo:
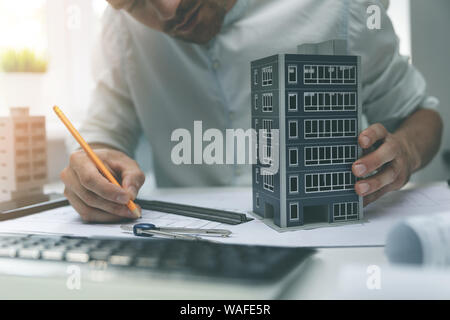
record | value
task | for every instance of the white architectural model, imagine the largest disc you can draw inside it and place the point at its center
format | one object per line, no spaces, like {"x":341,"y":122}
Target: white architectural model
{"x":23,"y":155}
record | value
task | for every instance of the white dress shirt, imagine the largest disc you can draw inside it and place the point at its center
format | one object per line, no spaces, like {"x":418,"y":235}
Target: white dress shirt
{"x":150,"y":83}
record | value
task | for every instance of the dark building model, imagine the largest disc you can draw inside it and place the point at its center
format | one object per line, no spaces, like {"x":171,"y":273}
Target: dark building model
{"x":314,"y":101}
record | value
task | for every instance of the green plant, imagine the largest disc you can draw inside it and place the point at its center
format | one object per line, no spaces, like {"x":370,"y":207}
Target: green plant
{"x":22,"y":61}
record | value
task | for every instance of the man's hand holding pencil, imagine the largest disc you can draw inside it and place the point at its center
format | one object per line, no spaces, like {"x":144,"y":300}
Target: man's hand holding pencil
{"x":101,"y":185}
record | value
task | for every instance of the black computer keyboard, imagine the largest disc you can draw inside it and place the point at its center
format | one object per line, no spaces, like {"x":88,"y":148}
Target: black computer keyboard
{"x":198,"y":258}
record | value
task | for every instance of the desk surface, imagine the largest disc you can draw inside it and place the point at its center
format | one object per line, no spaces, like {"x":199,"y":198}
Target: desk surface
{"x":320,"y":279}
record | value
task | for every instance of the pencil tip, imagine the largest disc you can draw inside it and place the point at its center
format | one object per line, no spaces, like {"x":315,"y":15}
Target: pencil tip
{"x":137,"y":213}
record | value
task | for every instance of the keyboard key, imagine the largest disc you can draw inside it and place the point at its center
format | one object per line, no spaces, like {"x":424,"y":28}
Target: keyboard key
{"x":53,"y":254}
{"x":120,"y":259}
{"x":100,"y":254}
{"x":77,"y":255}
{"x":30,"y":253}
{"x":9,"y":252}
{"x":147,"y":262}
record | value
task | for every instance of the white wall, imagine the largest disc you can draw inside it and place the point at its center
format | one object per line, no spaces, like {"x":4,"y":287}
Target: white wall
{"x":399,"y":12}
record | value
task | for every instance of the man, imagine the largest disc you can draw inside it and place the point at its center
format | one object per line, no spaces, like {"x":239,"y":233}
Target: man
{"x":163,"y":64}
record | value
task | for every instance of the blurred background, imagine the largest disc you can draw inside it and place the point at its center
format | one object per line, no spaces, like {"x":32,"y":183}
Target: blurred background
{"x":46,"y":47}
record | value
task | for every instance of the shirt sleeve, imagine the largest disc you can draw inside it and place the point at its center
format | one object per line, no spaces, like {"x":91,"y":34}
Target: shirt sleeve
{"x":392,"y":88}
{"x":111,"y":116}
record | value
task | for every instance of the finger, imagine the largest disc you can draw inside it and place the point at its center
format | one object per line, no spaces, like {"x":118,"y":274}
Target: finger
{"x":91,"y":179}
{"x":368,"y":186}
{"x":89,"y":214}
{"x":374,"y":160}
{"x":131,"y":175}
{"x":371,"y":135}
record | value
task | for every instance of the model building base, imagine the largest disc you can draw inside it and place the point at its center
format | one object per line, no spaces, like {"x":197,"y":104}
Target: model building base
{"x":310,"y":226}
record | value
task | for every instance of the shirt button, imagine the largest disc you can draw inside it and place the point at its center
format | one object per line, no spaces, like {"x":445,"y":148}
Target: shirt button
{"x":216,"y":64}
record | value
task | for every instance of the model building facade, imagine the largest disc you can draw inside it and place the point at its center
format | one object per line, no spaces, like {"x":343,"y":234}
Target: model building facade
{"x":23,"y":154}
{"x":314,"y":101}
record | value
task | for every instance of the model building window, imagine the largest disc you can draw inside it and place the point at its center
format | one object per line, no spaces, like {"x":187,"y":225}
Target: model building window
{"x":327,"y":128}
{"x":293,"y":211}
{"x":293,"y":157}
{"x":267,"y":76}
{"x":293,"y":184}
{"x":267,"y":154}
{"x":292,"y":74}
{"x":293,"y":129}
{"x":333,"y":74}
{"x":325,"y":182}
{"x":267,"y":128}
{"x":255,"y":77}
{"x":257,"y":175}
{"x":255,"y":99}
{"x":257,"y":199}
{"x":268,"y":182}
{"x":326,"y":155}
{"x":292,"y":101}
{"x":345,"y":211}
{"x":329,"y":101}
{"x":267,"y":103}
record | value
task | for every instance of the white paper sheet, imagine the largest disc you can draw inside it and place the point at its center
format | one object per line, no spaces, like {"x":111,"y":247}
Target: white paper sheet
{"x":381,"y":217}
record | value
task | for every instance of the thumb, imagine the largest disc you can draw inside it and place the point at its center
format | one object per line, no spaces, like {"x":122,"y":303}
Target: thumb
{"x":131,"y":175}
{"x":132,"y":181}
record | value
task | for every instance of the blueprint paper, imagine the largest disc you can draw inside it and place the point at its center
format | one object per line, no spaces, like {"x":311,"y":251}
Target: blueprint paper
{"x":381,"y":217}
{"x":421,"y":240}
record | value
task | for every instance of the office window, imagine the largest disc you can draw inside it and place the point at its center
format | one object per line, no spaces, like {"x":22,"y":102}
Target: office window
{"x":326,"y":155}
{"x":293,"y":184}
{"x":255,"y":77}
{"x":267,"y":154}
{"x":329,"y":101}
{"x":267,"y":102}
{"x":267,"y":148}
{"x":268,"y":180}
{"x":329,"y":74}
{"x":345,"y":211}
{"x":267,"y":76}
{"x":293,"y":157}
{"x":292,"y":74}
{"x":293,"y":129}
{"x":293,"y":211}
{"x":255,"y":99}
{"x":267,"y":128}
{"x":329,"y":181}
{"x":292,"y":101}
{"x":329,"y":128}
{"x":309,"y":74}
{"x":257,"y":199}
{"x":257,"y":176}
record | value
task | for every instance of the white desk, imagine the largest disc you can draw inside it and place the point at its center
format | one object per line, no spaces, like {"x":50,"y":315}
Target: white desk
{"x":320,"y":279}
